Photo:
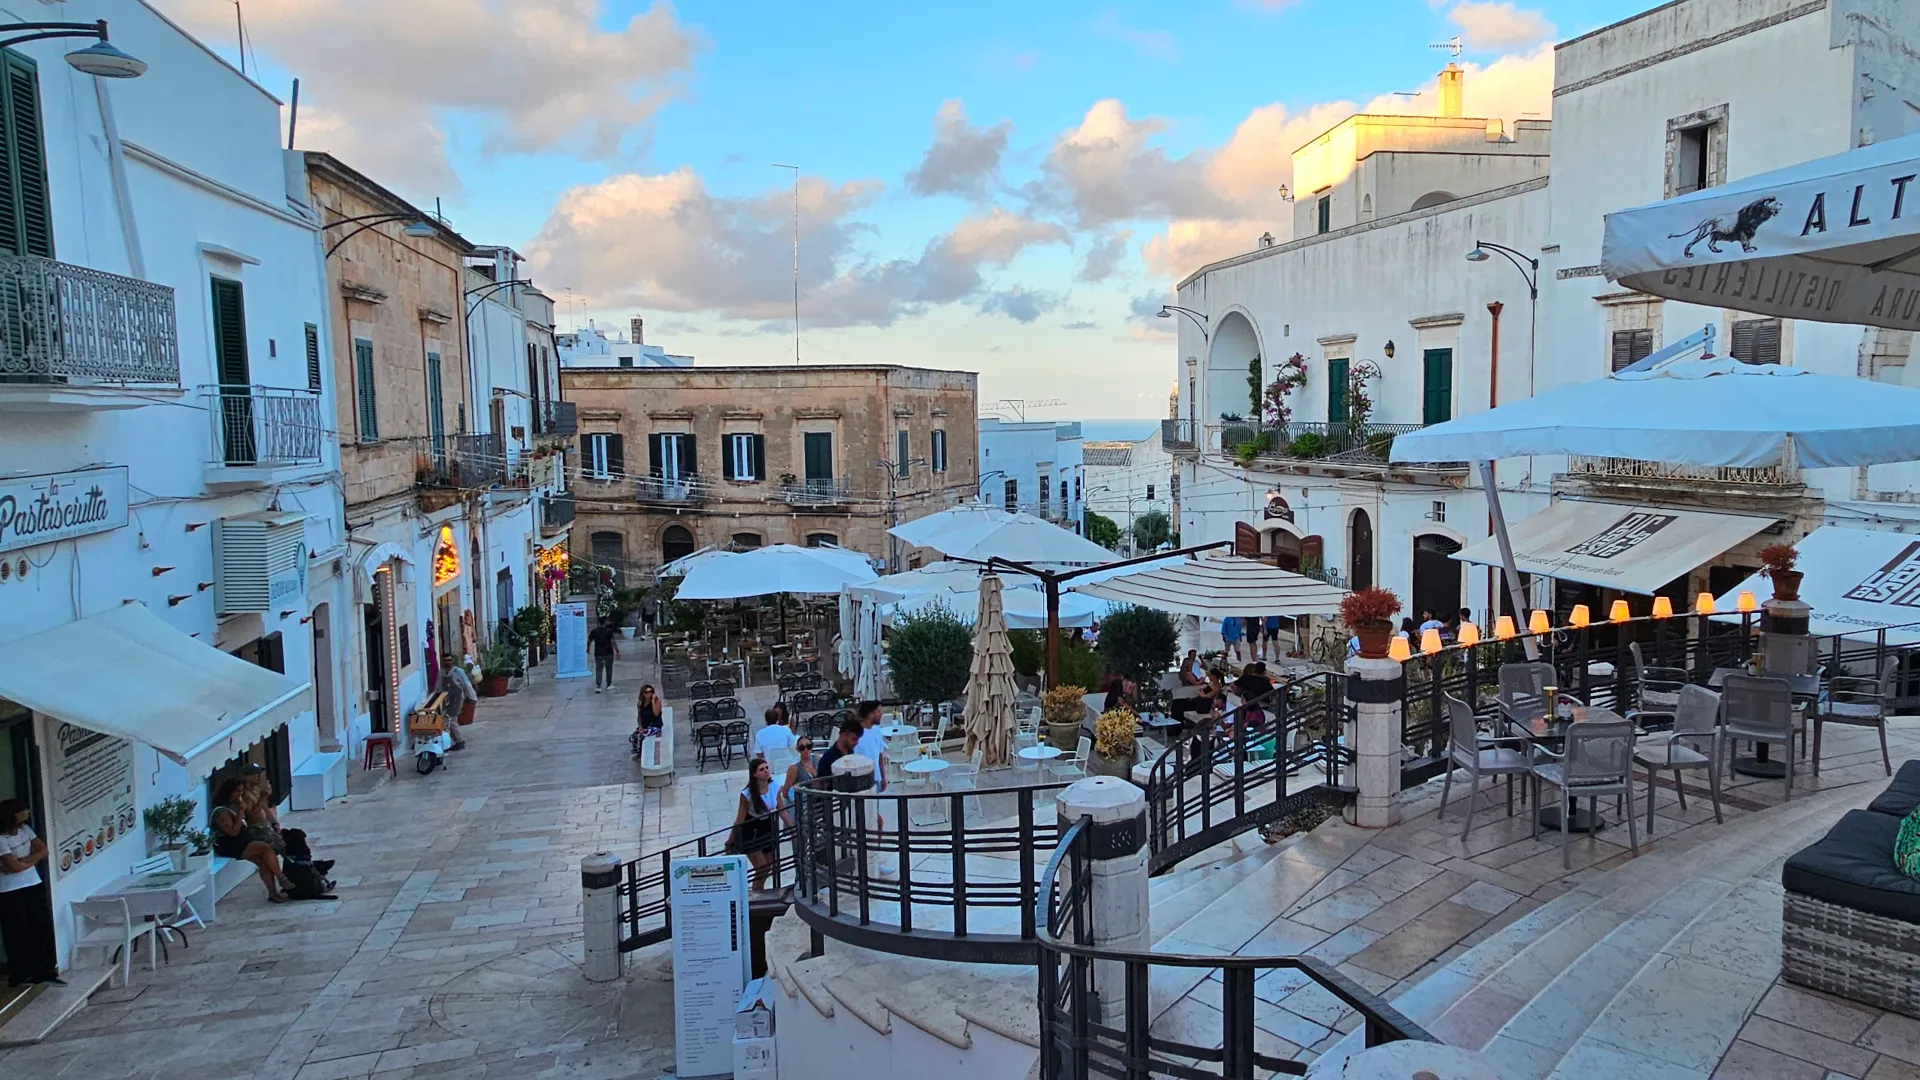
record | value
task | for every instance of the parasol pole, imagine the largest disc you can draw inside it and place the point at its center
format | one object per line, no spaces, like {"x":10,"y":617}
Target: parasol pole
{"x":1507,"y":565}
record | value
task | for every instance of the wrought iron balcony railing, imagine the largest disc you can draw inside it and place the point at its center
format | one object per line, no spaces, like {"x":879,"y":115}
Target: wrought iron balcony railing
{"x":556,"y":513}
{"x":1177,"y":435}
{"x":264,"y":425}
{"x":678,"y":490}
{"x":471,"y":462}
{"x":1662,"y":472}
{"x":555,"y":418}
{"x":61,"y":323}
{"x":816,"y":492}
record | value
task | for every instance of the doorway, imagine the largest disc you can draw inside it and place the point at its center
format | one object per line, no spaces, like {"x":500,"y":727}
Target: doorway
{"x":20,"y":779}
{"x":326,"y":721}
{"x":1360,"y":551}
{"x":1436,"y":576}
{"x":379,"y":708}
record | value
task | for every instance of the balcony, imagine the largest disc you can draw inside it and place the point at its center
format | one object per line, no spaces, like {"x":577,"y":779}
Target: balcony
{"x":672,"y":491}
{"x":262,"y":434}
{"x":560,"y":419}
{"x":1335,"y":445}
{"x":1631,"y":472}
{"x":816,"y":492}
{"x":1176,"y":437}
{"x":448,"y":468}
{"x":556,"y":514}
{"x":76,"y":338}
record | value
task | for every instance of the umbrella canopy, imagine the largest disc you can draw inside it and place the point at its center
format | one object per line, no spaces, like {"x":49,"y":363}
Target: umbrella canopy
{"x":984,"y":532}
{"x":781,"y":568}
{"x":1022,"y":608}
{"x":963,"y":524}
{"x":681,"y":566}
{"x":989,"y":721}
{"x":1830,"y":240}
{"x":1219,"y":586}
{"x":1706,"y":412}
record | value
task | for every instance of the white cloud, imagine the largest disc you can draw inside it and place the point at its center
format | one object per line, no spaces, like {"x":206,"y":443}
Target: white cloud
{"x":1021,"y":304}
{"x":964,"y":159}
{"x":1487,"y":25}
{"x":540,"y":76}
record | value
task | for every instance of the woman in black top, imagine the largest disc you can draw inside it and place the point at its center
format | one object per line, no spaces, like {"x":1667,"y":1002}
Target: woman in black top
{"x":756,"y":821}
{"x":647,"y":719}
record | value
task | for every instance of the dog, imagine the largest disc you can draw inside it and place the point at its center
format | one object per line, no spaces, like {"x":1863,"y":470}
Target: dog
{"x":1745,"y":224}
{"x":306,"y":876}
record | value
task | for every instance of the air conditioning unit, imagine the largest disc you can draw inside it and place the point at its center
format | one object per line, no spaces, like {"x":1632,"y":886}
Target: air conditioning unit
{"x":259,"y":562}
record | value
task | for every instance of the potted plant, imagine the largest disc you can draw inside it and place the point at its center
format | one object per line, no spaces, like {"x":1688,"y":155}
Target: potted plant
{"x":1139,"y":643}
{"x":1777,"y":563}
{"x":1369,"y":614}
{"x":199,"y":848}
{"x":168,"y":822}
{"x":1064,"y":713}
{"x":497,"y":664}
{"x":929,"y":653}
{"x":532,"y":623}
{"x":1113,"y":744}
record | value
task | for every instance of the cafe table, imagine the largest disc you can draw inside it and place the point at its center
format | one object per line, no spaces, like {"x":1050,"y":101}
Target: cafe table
{"x":159,"y":895}
{"x":1551,"y":734}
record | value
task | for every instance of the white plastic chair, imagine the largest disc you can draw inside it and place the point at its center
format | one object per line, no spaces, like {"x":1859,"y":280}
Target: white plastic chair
{"x":965,"y":776}
{"x":1075,"y":767}
{"x":107,"y":925}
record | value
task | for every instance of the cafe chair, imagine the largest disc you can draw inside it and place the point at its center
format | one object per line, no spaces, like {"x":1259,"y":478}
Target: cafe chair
{"x":1759,"y":710}
{"x":107,"y":925}
{"x":1856,"y":701}
{"x":711,"y":739}
{"x":1480,"y":756}
{"x":1596,"y":760}
{"x":1694,"y":743}
{"x":1523,"y":691}
{"x":1656,"y":689}
{"x":1075,"y":767}
{"x":965,"y":776}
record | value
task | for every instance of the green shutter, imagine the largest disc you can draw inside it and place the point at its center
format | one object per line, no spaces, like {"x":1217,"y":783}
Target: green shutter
{"x":313,"y":358}
{"x":26,"y":226}
{"x":1438,"y":398}
{"x":819,"y":454}
{"x":230,"y":333}
{"x":1337,"y":391}
{"x":363,"y":389}
{"x":436,"y":409}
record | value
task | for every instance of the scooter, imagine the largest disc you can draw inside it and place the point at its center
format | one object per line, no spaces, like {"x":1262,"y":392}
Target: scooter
{"x":428,"y":742}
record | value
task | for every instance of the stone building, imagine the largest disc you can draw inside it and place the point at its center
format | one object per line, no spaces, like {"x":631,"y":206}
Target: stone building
{"x":675,"y":459}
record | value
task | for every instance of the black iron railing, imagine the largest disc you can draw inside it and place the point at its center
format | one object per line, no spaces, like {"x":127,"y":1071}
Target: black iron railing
{"x":816,"y":492}
{"x":470,"y":462}
{"x":646,"y":916}
{"x":1096,"y":1011}
{"x":559,"y":418}
{"x":672,"y":490}
{"x":556,"y":513}
{"x":1177,"y":435}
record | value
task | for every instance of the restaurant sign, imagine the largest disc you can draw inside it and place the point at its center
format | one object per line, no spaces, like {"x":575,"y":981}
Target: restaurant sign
{"x":43,"y":509}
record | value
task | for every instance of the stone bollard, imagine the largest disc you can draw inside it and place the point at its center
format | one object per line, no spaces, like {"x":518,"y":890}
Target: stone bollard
{"x":1119,"y":845}
{"x":600,"y":916}
{"x":1375,"y":687}
{"x":855,"y":772}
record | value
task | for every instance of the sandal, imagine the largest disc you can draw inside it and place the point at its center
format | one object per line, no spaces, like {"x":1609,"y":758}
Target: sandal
{"x":276,"y":898}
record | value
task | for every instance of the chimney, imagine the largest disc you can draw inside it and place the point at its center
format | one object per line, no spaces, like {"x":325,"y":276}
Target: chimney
{"x":639,"y":326}
{"x":1452,"y":83}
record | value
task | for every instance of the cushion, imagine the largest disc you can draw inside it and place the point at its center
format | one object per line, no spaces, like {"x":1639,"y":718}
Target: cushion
{"x":1906,"y":845}
{"x":1901,"y":796}
{"x":1852,"y":866}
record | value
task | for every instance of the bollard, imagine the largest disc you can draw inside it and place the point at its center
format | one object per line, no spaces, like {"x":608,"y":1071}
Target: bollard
{"x":855,"y":772}
{"x":1375,"y":688}
{"x":1121,"y":922}
{"x":600,"y":915}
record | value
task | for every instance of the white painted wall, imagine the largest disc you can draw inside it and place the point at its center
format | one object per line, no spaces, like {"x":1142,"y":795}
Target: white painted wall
{"x":1024,"y":452}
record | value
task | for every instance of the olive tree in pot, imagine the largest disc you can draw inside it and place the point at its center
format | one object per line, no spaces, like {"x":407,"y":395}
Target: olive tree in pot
{"x":168,"y":822}
{"x":1777,"y":563}
{"x":1138,"y":643}
{"x":1369,"y":613}
{"x":928,"y":653}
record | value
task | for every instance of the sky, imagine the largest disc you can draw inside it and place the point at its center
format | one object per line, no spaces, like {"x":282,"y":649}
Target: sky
{"x":1007,"y":188}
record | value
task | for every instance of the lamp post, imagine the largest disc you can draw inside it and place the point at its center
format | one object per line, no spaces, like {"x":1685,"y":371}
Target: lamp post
{"x":1199,"y":320}
{"x":894,"y":476}
{"x":980,"y":483}
{"x":1529,"y":268}
{"x":1131,"y":499}
{"x":101,"y":59}
{"x":416,"y":227}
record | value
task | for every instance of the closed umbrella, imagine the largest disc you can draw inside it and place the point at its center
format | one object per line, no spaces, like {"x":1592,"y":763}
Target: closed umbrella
{"x":989,"y":716}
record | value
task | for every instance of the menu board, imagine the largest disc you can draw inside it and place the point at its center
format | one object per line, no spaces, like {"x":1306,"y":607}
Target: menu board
{"x":712,"y":960}
{"x":92,"y":794}
{"x":570,"y":640}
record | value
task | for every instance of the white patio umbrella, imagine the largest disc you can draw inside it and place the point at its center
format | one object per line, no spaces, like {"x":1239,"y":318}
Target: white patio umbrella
{"x":685,"y":563}
{"x":989,"y":720}
{"x":983,"y":532}
{"x":1836,"y":239}
{"x":961,"y":525}
{"x":781,"y":568}
{"x":1216,"y":587}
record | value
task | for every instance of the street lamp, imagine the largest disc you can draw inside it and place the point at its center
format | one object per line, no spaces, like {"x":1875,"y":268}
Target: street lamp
{"x":1199,"y":320}
{"x":894,"y":476}
{"x":1529,"y":268}
{"x":101,"y":59}
{"x":416,"y":227}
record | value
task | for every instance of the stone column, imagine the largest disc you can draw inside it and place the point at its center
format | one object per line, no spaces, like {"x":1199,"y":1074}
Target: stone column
{"x":1375,"y":687}
{"x":1119,"y":904}
{"x":600,"y":916}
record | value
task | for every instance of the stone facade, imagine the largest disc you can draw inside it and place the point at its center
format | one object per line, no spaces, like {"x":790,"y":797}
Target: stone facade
{"x":639,"y":511}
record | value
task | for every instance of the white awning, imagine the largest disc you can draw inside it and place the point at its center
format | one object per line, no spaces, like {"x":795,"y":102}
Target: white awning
{"x":372,"y":561}
{"x":1635,"y":549}
{"x":127,"y":673}
{"x":1271,"y":525}
{"x":1858,"y":582}
{"x":1219,"y":586}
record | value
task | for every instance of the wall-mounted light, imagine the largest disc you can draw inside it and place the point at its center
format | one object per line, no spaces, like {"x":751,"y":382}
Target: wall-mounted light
{"x":174,"y":601}
{"x":203,"y":586}
{"x":158,"y":570}
{"x":1389,"y":349}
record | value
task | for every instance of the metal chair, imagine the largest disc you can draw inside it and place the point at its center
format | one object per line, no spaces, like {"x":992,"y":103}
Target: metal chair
{"x":1523,"y":691}
{"x":1759,"y":710}
{"x":703,"y":712}
{"x":1022,"y":740}
{"x":729,"y":709}
{"x":709,"y":737}
{"x":1657,"y":689}
{"x":1856,"y":701}
{"x":107,"y":925}
{"x":1694,"y":743}
{"x":1596,"y":760}
{"x":1075,"y":767}
{"x":965,"y":776}
{"x":1480,"y":756}
{"x":736,"y":739}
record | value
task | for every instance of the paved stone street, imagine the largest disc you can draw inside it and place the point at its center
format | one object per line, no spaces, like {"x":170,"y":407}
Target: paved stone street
{"x":453,"y":949}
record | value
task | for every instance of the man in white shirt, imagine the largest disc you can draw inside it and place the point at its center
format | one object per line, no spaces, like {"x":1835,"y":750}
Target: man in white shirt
{"x":872,"y":744}
{"x":775,"y":736}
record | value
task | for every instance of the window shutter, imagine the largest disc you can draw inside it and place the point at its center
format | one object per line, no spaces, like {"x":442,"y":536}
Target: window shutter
{"x":759,"y":457}
{"x":819,"y":455}
{"x":28,"y":226}
{"x":436,"y":403}
{"x":689,"y":465}
{"x":1756,"y":341}
{"x":230,"y":333}
{"x":586,"y":455}
{"x":616,"y":457}
{"x":903,"y":448}
{"x":313,"y":358}
{"x":1337,"y":391}
{"x":1438,"y":406}
{"x":655,"y":468}
{"x":364,"y":390}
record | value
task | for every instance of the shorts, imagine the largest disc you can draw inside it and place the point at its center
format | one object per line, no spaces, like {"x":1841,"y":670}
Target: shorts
{"x":231,"y":847}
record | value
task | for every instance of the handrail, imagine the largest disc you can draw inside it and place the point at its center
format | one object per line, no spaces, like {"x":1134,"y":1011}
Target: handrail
{"x":643,"y":895}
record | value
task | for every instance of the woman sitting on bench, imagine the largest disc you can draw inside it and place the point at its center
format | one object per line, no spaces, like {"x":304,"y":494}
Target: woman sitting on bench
{"x":232,"y":839}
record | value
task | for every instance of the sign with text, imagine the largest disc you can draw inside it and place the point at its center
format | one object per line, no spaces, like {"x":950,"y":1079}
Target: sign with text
{"x":570,"y":640}
{"x":92,"y":786}
{"x":712,"y":960}
{"x":44,"y":509}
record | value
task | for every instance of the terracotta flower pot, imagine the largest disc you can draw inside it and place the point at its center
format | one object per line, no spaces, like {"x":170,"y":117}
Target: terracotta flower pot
{"x":1786,"y":584}
{"x":1374,"y":639}
{"x":466,"y":712}
{"x":493,"y":686}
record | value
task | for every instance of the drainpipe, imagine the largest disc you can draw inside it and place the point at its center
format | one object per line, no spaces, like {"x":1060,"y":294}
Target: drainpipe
{"x":1493,"y":401}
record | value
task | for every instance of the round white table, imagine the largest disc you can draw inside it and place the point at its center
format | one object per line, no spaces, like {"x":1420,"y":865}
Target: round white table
{"x":895,"y":731}
{"x":1042,"y":753}
{"x":926,"y":766}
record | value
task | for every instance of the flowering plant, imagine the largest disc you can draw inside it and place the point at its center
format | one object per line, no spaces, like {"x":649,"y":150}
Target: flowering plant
{"x":1292,"y":376}
{"x":1372,"y":606}
{"x":1359,"y":404}
{"x":1777,"y":558}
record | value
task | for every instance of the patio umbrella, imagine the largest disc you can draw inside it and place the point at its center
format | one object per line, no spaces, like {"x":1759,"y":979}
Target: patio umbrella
{"x":989,"y":722}
{"x":980,"y":533}
{"x":1218,"y":586}
{"x":963,"y":524}
{"x":681,"y":566}
{"x":781,"y":568}
{"x":1830,"y":239}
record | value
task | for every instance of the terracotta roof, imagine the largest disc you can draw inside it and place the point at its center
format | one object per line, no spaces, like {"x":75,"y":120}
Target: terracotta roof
{"x":1106,"y":453}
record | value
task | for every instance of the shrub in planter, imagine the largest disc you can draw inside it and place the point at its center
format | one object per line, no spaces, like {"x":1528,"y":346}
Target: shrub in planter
{"x":1777,"y":562}
{"x":1113,"y":744}
{"x":498,"y":663}
{"x":1063,"y":712}
{"x":1080,"y":666}
{"x":929,"y":652}
{"x":168,"y":822}
{"x":1308,"y":445}
{"x":1029,"y":651}
{"x":1138,"y":643}
{"x":1369,"y":614}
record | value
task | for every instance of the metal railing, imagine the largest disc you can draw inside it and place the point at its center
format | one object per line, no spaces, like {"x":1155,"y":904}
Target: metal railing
{"x":645,"y":913}
{"x":1666,"y":472}
{"x":1177,"y":435}
{"x":674,"y":490}
{"x":1094,"y":1024}
{"x":816,"y":492}
{"x":555,"y":418}
{"x":264,"y":425}
{"x":1367,"y":444}
{"x":61,"y":323}
{"x":556,"y":512}
{"x":460,"y":461}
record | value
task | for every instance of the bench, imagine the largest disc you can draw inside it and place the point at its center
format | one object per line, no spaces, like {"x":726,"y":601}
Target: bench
{"x":318,"y":779}
{"x":656,"y":754}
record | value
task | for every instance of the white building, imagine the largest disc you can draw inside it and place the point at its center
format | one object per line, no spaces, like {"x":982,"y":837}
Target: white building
{"x":1033,"y":466}
{"x":591,"y":348}
{"x":1127,"y":479}
{"x":171,"y":409}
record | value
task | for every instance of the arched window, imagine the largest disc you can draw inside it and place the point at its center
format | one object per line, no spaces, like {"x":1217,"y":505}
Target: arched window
{"x":822,"y":540}
{"x":675,"y":543}
{"x":1360,"y":551}
{"x":746,"y":540}
{"x":609,"y":550}
{"x":1433,"y":198}
{"x":1366,"y":206}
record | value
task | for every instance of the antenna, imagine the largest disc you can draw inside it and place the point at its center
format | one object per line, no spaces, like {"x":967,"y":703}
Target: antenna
{"x":1019,"y":406}
{"x":796,"y":260}
{"x":1452,"y":46}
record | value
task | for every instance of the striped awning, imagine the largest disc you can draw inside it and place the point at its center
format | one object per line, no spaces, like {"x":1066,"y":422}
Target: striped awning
{"x":1219,"y":586}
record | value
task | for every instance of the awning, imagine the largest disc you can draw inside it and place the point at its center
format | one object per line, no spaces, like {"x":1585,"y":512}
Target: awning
{"x":1635,"y":549}
{"x":1271,"y":525}
{"x":372,"y":561}
{"x":125,"y":672}
{"x":1219,"y":586}
{"x":1858,"y":581}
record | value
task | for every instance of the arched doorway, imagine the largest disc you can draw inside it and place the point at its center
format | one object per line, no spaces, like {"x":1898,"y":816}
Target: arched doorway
{"x":609,"y":549}
{"x":1234,"y":350}
{"x":747,"y":540}
{"x":1436,"y":576}
{"x":1360,"y":551}
{"x":675,"y":543}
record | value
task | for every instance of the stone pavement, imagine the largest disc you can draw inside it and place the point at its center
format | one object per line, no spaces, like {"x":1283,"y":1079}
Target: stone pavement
{"x":453,"y":949}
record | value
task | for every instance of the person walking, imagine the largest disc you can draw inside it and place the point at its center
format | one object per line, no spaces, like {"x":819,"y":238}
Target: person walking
{"x":26,"y":919}
{"x":646,"y":618}
{"x":1230,"y":636}
{"x":604,"y":642}
{"x":755,"y":824}
{"x":459,"y":691}
{"x":1255,"y":628}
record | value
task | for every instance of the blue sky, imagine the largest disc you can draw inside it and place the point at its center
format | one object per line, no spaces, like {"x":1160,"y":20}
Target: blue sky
{"x":627,"y":148}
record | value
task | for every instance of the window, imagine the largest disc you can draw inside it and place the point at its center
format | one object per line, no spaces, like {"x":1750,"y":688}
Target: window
{"x":363,"y":389}
{"x":313,"y":358}
{"x":818,"y":451}
{"x":1077,"y":495}
{"x":610,"y":550}
{"x":1149,"y":492}
{"x":603,"y":455}
{"x":1011,"y":498}
{"x":1063,"y":493}
{"x":1337,"y":390}
{"x":1756,"y":341}
{"x":675,"y":543}
{"x":746,"y":457}
{"x":436,"y":409}
{"x":26,"y":221}
{"x":533,"y":388}
{"x":1697,"y":151}
{"x":815,"y":540}
{"x":670,"y":456}
{"x":1046,"y":484}
{"x":903,"y":450}
{"x":232,"y":370}
{"x":626,"y":361}
{"x":1439,"y":513}
{"x":1173,"y":487}
{"x":1323,"y":214}
{"x":1630,"y":347}
{"x":940,"y":450}
{"x":746,"y":540}
{"x":1437,"y":387}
